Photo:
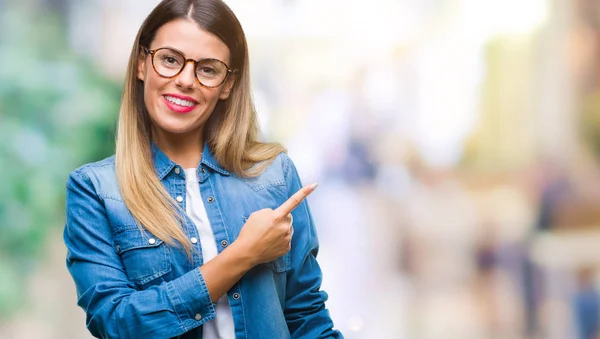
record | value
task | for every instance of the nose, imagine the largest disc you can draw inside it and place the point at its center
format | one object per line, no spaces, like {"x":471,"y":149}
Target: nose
{"x":187,"y":77}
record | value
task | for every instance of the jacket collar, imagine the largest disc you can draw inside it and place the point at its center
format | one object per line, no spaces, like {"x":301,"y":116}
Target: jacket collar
{"x":209,"y":160}
{"x":163,"y":165}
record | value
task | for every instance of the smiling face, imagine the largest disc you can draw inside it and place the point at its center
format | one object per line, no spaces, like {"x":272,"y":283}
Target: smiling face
{"x":180,"y":106}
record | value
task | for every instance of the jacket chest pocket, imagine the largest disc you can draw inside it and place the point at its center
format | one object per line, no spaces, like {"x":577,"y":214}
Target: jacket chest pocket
{"x":281,"y":264}
{"x":144,"y":256}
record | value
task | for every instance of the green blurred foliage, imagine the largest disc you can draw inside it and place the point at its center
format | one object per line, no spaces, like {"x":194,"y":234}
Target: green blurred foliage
{"x":57,"y":111}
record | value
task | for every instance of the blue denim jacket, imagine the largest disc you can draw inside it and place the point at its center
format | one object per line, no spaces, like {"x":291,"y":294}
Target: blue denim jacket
{"x":133,"y":285}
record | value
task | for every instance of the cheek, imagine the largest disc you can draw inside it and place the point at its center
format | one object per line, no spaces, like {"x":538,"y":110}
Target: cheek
{"x":211,"y":95}
{"x":150,"y":84}
{"x":152,"y":87}
{"x":151,"y":97}
{"x":148,"y":94}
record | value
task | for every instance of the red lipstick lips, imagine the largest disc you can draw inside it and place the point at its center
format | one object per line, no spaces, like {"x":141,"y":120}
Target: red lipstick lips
{"x":179,"y":103}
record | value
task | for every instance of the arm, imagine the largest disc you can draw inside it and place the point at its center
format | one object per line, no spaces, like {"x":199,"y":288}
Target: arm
{"x":113,"y":305}
{"x":305,"y":310}
{"x":225,"y":270}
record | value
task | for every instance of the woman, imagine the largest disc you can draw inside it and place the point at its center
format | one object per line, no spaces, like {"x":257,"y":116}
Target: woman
{"x":187,"y":231}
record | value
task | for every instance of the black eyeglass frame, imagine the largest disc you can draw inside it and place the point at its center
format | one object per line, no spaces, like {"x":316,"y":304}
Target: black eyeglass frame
{"x":195,"y":63}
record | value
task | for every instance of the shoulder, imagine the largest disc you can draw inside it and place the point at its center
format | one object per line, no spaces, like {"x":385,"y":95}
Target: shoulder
{"x":282,"y":164}
{"x":98,"y":176}
{"x":272,"y":172}
{"x":286,"y":167}
{"x":279,"y":167}
{"x":94,"y":170}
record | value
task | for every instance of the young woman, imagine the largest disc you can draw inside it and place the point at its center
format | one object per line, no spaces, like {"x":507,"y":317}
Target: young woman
{"x":187,"y":231}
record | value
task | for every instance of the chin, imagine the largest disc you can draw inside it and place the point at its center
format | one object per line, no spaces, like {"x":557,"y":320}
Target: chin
{"x":173,"y":127}
{"x":177,"y":129}
{"x":169,"y":123}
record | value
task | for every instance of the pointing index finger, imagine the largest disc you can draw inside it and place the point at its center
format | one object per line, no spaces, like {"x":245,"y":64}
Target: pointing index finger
{"x":288,"y":206}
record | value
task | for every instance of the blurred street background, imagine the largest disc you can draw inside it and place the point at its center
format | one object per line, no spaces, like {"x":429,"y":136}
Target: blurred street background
{"x":456,"y":143}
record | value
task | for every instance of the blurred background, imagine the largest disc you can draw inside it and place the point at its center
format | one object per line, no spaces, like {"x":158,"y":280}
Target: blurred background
{"x":457,"y":144}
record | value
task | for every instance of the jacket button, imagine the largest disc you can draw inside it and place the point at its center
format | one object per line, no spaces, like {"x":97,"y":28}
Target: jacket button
{"x":152,"y":241}
{"x":236,"y":296}
{"x":198,"y":316}
{"x":224,"y":243}
{"x":177,"y":170}
{"x":211,"y":199}
{"x":202,"y":170}
{"x":179,"y":198}
{"x":194,"y":240}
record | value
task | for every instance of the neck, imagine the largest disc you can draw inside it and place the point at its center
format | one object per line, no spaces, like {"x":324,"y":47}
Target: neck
{"x":183,"y":149}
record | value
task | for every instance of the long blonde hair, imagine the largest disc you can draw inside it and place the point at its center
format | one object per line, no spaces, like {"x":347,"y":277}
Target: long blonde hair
{"x":231,"y":132}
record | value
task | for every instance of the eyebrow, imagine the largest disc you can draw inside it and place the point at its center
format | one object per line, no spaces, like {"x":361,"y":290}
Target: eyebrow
{"x":180,"y":52}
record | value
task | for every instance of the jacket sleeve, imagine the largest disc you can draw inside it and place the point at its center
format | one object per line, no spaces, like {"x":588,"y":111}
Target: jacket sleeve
{"x":305,"y":311}
{"x":114,"y":307}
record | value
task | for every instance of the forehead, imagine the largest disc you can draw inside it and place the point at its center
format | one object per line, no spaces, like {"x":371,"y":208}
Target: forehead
{"x":195,"y":42}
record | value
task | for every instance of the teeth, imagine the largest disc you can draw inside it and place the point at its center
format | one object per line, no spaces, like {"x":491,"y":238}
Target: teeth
{"x":179,"y":102}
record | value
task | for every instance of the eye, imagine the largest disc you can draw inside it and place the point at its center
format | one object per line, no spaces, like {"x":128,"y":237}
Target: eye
{"x":170,"y":60}
{"x":205,"y":70}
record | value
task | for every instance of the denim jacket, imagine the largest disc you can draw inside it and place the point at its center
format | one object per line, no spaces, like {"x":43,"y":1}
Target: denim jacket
{"x":131,"y":284}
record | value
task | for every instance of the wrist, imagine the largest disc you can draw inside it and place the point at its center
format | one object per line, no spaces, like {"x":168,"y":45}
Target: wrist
{"x":242,"y":255}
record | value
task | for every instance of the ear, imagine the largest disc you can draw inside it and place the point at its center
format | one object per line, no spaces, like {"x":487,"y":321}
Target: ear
{"x":227,"y":87}
{"x":141,"y":63}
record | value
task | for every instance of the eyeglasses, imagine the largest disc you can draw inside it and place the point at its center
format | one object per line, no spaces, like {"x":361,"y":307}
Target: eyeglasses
{"x":169,"y":63}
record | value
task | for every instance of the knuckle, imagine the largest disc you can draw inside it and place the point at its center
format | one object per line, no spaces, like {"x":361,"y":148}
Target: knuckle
{"x":277,"y":219}
{"x":279,"y":216}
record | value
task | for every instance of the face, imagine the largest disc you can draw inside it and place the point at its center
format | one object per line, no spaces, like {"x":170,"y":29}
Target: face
{"x":180,"y":105}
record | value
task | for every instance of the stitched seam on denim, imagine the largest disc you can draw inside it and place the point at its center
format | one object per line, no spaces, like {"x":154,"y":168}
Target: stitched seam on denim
{"x":172,"y":289}
{"x":257,"y":188}
{"x":202,"y":283}
{"x":211,"y":307}
{"x":118,"y":229}
{"x":87,"y":180}
{"x":144,"y":245}
{"x":215,"y":167}
{"x":190,"y":229}
{"x":146,"y":279}
{"x":83,"y":174}
{"x":108,"y":197}
{"x":287,"y":162}
{"x":220,"y":213}
{"x":243,"y":311}
{"x":166,"y":171}
{"x":99,"y":164}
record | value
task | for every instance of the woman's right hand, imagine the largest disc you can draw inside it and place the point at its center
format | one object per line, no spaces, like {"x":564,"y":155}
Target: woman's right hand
{"x":267,"y":234}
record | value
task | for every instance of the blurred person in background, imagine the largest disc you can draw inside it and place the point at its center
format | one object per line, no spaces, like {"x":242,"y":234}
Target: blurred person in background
{"x":187,"y":231}
{"x":586,"y":304}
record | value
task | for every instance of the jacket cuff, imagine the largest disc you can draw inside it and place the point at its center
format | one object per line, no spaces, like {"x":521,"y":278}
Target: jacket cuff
{"x":191,"y":300}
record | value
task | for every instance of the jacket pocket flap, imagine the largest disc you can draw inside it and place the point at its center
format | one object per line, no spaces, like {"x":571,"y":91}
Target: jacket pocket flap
{"x":135,"y":238}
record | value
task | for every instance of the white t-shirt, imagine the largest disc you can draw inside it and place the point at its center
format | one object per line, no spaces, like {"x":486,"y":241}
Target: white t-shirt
{"x":222,"y":326}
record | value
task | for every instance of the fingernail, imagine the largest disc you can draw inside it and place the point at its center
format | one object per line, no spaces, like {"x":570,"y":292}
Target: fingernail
{"x":313,"y":186}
